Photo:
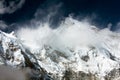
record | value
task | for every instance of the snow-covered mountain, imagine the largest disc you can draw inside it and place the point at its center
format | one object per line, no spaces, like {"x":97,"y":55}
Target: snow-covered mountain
{"x":79,"y":53}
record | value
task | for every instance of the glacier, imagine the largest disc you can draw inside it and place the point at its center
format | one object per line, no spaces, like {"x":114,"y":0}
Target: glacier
{"x":76,"y":50}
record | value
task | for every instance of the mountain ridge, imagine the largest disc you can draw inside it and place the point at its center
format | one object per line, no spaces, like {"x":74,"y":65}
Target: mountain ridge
{"x":94,"y":60}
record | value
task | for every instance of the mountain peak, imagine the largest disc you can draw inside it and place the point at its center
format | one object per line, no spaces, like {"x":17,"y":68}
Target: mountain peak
{"x":98,"y":60}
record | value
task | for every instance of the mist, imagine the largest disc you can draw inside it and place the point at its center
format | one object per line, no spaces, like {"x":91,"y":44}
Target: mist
{"x":9,"y":73}
{"x":71,"y":33}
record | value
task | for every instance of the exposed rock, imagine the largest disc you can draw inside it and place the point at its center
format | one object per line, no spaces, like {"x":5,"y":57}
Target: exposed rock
{"x":72,"y":75}
{"x":85,"y":58}
{"x":113,"y":75}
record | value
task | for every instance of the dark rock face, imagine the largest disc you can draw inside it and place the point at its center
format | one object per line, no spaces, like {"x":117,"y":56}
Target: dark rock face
{"x":71,"y":75}
{"x":85,"y":58}
{"x":113,"y":75}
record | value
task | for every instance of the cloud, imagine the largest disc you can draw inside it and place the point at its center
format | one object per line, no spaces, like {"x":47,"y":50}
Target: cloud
{"x":10,"y":6}
{"x":50,"y":11}
{"x":3,"y":25}
{"x":8,"y":73}
{"x":117,"y":27}
{"x":71,"y":33}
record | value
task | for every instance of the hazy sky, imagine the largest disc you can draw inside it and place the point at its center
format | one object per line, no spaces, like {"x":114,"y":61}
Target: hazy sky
{"x":101,"y":12}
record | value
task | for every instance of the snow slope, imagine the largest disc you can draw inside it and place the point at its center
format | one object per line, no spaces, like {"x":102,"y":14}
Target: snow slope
{"x":75,"y":45}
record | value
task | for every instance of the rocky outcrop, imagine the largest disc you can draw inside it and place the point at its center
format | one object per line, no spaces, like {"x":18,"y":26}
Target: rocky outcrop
{"x":113,"y":75}
{"x":71,"y":75}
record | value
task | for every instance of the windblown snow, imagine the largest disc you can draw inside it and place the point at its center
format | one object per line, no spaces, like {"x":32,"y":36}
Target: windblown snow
{"x":77,"y":45}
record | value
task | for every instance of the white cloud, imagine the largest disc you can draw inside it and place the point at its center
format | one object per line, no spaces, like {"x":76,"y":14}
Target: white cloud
{"x":3,"y":25}
{"x":71,"y":33}
{"x":12,"y":6}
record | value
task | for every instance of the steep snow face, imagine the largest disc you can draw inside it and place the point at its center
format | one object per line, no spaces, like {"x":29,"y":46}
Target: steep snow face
{"x":74,"y":45}
{"x":10,"y":49}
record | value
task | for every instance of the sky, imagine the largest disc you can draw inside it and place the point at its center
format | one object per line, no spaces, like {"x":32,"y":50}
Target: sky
{"x":15,"y":13}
